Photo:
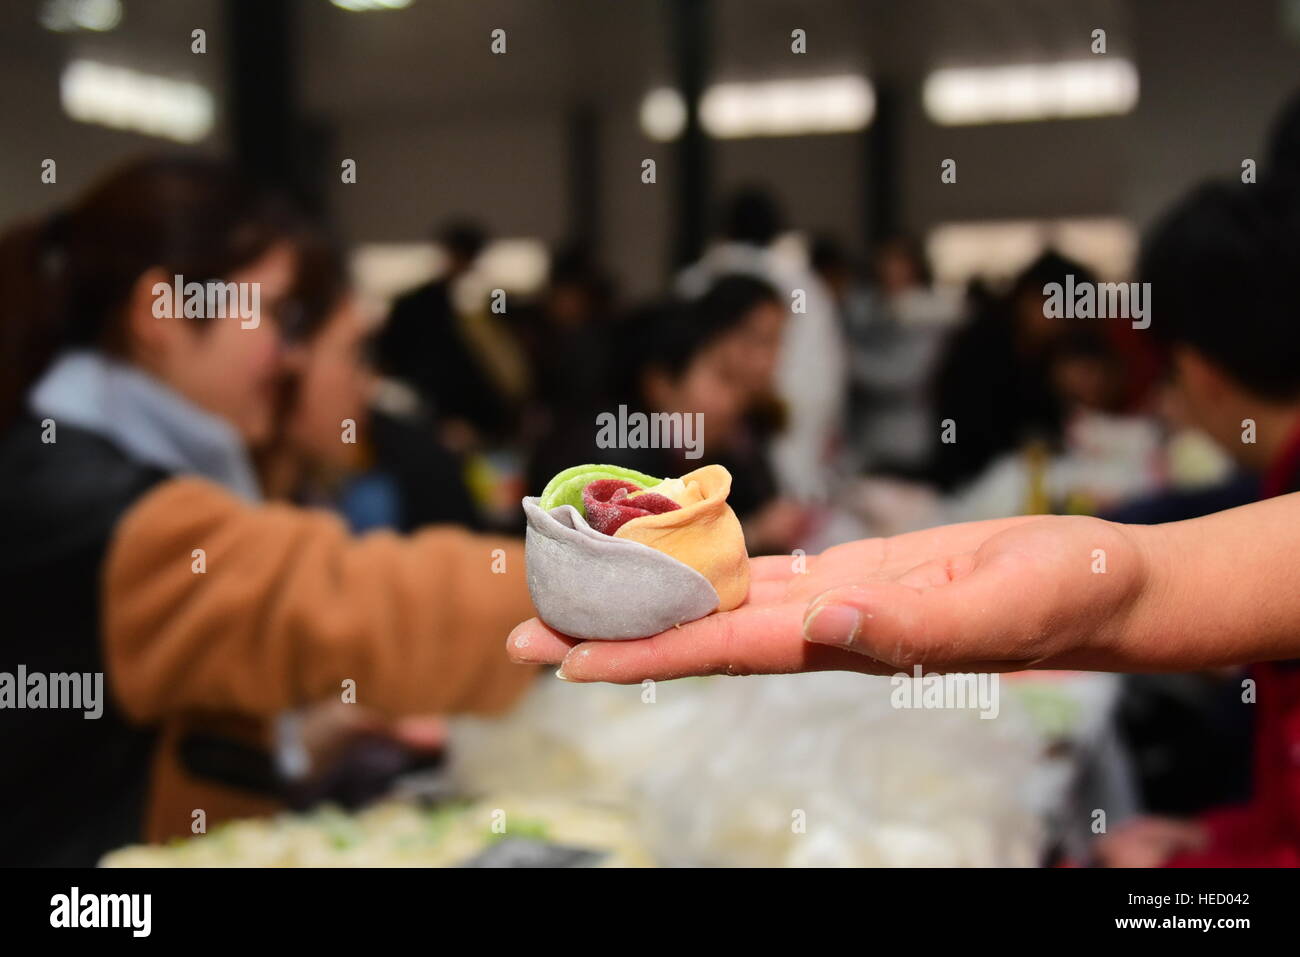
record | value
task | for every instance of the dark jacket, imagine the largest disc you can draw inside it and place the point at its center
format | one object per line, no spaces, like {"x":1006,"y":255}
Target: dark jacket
{"x":998,"y":397}
{"x":74,"y":787}
{"x":421,"y":344}
{"x":96,"y":575}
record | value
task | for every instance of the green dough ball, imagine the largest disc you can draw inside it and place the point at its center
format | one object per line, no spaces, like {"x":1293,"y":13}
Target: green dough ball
{"x":566,"y":488}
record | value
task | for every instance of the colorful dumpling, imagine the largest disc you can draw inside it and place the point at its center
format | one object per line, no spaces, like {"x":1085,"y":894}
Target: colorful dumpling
{"x":613,"y":553}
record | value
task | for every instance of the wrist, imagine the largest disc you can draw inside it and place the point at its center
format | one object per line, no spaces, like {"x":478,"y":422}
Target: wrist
{"x":1147,"y":607}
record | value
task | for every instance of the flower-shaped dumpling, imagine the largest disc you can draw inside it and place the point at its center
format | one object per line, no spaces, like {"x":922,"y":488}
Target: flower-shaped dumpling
{"x":613,"y":553}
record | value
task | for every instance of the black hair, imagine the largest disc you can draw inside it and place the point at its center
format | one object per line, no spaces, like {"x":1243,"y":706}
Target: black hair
{"x":1049,"y":267}
{"x":575,"y":264}
{"x":913,"y":250}
{"x":461,"y":237}
{"x":1222,"y":266}
{"x":320,"y":284}
{"x":668,"y":334}
{"x":65,"y":279}
{"x":752,"y":216}
{"x":826,"y":253}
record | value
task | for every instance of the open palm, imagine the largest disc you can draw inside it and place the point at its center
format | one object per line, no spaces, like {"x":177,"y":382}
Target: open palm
{"x":984,"y":596}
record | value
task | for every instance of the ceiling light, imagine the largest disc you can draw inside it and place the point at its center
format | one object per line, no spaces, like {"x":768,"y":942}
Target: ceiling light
{"x":64,"y":16}
{"x":1002,"y":94}
{"x":367,"y":6}
{"x":127,"y":99}
{"x":834,"y":104}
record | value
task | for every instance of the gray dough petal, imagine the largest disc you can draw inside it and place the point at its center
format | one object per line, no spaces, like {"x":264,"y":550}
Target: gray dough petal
{"x":591,"y":585}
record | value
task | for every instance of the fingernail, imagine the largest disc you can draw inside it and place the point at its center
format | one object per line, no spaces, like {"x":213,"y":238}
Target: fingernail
{"x":559,"y":673}
{"x":832,"y":625}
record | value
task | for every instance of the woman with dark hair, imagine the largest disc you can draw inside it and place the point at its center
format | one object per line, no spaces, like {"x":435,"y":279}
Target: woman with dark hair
{"x":397,"y":474}
{"x":136,"y":547}
{"x":713,"y":357}
{"x":1000,"y":376}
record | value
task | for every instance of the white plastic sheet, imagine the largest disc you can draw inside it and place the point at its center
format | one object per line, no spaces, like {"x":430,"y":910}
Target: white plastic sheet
{"x":795,"y":770}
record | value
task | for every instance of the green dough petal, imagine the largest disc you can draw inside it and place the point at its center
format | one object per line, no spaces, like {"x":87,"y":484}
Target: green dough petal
{"x":566,"y":488}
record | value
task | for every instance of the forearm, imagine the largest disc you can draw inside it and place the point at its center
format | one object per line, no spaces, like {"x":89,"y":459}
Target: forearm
{"x":287,"y":607}
{"x":1219,"y":590}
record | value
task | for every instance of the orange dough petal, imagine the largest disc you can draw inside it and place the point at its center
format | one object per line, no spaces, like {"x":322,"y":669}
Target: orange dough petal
{"x":704,"y":534}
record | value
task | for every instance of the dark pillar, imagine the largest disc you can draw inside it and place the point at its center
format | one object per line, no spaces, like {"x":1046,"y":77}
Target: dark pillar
{"x":262,"y":101}
{"x":691,"y":37}
{"x":882,"y":170}
{"x":584,"y":171}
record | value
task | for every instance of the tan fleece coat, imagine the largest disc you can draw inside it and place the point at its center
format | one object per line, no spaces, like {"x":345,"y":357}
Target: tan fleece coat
{"x":288,"y":608}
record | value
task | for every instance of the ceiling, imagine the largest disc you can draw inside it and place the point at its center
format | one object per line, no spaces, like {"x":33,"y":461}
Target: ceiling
{"x":433,"y":57}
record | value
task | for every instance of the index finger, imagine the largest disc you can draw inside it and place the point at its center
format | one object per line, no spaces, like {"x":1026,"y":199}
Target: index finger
{"x":753,"y":639}
{"x":534,"y":642}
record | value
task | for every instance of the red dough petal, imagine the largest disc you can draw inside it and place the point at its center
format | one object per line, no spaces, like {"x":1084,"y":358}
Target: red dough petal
{"x":609,"y":508}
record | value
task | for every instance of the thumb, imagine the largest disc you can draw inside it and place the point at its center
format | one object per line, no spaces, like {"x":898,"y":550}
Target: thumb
{"x":986,"y":619}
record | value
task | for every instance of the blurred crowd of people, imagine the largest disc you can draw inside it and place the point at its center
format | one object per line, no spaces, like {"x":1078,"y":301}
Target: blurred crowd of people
{"x":847,"y":394}
{"x":813,"y":371}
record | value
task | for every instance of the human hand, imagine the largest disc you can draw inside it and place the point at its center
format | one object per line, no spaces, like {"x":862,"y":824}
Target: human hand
{"x":986,"y":596}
